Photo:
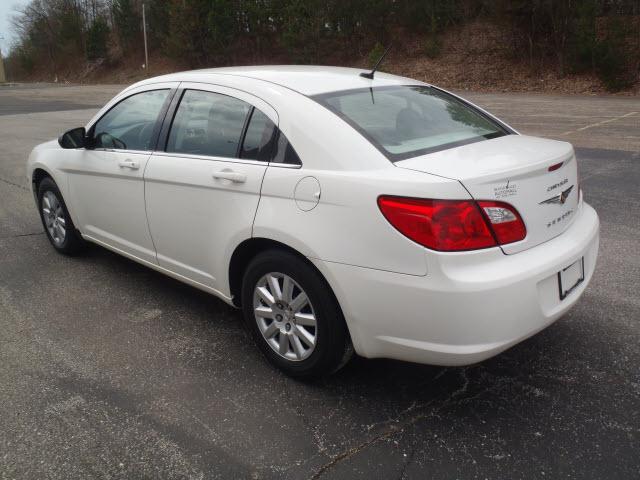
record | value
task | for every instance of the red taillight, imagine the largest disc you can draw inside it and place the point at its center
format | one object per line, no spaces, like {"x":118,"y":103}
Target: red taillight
{"x":452,"y":225}
{"x":446,"y":225}
{"x":505,"y":221}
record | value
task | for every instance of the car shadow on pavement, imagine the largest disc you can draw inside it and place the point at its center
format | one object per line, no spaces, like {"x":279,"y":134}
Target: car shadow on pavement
{"x":380,"y":379}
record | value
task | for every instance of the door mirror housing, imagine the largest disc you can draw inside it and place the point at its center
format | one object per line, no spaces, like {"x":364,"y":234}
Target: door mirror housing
{"x":74,"y":138}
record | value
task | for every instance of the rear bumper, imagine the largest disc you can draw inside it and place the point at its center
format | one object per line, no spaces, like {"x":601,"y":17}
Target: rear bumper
{"x":469,"y":306}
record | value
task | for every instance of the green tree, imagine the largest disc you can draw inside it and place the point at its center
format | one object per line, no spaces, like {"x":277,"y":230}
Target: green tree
{"x":97,"y":38}
{"x":258,"y":22}
{"x":375,"y":54}
{"x":304,"y":23}
{"x":188,"y":39}
{"x":127,"y":22}
{"x":220,"y":25}
{"x":581,"y":49}
{"x":158,"y":23}
{"x":613,"y":59}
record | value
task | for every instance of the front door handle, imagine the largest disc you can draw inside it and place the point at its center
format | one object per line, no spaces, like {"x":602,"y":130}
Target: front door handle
{"x":133,"y":165}
{"x":235,"y":177}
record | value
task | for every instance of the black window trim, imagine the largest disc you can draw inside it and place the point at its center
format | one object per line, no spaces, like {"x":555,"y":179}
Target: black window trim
{"x":243,"y":135}
{"x":156,"y":128}
{"x":396,"y":157}
{"x":167,"y":121}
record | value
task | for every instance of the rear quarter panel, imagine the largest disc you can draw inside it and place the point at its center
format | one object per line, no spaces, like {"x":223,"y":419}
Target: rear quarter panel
{"x":347,"y":226}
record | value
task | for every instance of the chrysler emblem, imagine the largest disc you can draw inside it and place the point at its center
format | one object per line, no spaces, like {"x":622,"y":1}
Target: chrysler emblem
{"x":560,"y":199}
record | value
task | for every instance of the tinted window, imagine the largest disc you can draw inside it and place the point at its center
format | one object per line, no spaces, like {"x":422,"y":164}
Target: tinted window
{"x":284,"y":152}
{"x":258,"y":141}
{"x":130,"y":124}
{"x":208,"y":123}
{"x":407,"y":121}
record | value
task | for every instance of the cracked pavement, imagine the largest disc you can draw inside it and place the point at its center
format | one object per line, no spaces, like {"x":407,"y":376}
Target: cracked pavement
{"x":110,"y":370}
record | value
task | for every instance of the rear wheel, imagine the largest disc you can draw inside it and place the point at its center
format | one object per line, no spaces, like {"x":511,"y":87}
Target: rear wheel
{"x":293,"y":315}
{"x":56,"y":219}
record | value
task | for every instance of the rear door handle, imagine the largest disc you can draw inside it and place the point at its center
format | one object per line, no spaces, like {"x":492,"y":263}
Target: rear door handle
{"x":133,"y":165}
{"x":235,"y":177}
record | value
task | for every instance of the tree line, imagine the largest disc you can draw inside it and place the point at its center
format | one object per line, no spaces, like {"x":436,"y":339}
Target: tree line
{"x":574,"y":36}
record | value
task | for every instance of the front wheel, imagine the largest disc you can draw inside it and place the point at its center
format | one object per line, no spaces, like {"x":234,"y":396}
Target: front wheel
{"x":293,"y":315}
{"x":56,"y":219}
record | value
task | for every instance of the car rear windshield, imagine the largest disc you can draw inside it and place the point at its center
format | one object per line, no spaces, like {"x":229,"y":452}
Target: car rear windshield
{"x":407,"y":121}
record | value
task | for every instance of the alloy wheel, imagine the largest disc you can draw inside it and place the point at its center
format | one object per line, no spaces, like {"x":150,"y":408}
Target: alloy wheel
{"x":53,"y":215}
{"x":285,"y":316}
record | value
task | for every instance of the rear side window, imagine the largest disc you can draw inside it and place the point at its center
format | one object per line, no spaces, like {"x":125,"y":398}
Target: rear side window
{"x":259,"y":138}
{"x":284,"y":152}
{"x":407,"y":121}
{"x":130,"y":124}
{"x":208,"y":123}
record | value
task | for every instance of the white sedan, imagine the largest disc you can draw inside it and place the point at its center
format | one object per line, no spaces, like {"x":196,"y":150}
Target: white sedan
{"x":340,"y":212}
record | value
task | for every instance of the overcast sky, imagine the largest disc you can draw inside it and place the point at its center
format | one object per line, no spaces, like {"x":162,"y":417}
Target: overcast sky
{"x":6,"y":11}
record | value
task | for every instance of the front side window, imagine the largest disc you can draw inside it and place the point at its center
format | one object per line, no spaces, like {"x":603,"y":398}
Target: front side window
{"x":407,"y":121}
{"x":208,"y":123}
{"x":130,"y":124}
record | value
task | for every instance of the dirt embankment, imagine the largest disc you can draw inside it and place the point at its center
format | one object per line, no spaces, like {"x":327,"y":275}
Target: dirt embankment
{"x":476,"y":56}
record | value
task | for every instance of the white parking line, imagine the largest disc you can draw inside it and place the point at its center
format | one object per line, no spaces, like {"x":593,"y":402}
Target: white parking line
{"x":599,"y":123}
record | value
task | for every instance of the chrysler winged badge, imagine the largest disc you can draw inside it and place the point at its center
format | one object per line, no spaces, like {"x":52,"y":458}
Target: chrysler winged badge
{"x":560,"y":199}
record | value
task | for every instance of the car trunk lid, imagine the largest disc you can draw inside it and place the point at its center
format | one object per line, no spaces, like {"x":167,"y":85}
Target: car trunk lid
{"x":537,"y":176}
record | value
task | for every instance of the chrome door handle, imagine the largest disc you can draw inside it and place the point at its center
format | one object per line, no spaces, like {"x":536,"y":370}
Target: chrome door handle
{"x":133,"y":165}
{"x":235,"y":177}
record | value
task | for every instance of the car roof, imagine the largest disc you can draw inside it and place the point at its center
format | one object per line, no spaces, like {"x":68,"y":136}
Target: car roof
{"x":305,"y":79}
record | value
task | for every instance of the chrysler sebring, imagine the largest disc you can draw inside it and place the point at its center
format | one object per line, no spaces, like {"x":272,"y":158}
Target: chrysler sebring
{"x":340,"y":212}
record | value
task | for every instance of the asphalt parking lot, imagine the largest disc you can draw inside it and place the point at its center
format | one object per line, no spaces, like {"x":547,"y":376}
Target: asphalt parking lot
{"x":110,"y":370}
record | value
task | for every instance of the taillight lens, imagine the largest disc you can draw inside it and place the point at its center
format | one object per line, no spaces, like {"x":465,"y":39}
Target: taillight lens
{"x":453,"y":225}
{"x":445,"y":225}
{"x":506,"y":223}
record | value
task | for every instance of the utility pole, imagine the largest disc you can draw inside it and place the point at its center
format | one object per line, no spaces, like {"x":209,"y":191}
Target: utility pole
{"x":144,"y":31}
{"x":3,"y":78}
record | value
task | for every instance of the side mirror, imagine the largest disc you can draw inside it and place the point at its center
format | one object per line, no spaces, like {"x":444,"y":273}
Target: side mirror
{"x":74,"y":138}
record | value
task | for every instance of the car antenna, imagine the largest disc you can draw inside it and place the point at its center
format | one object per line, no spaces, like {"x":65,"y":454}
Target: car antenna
{"x":370,"y":74}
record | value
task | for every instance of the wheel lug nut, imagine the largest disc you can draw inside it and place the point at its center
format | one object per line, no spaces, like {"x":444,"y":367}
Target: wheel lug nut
{"x":279,"y":318}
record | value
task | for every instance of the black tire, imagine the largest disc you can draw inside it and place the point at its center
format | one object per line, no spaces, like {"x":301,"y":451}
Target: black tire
{"x":72,"y":242}
{"x":332,"y":348}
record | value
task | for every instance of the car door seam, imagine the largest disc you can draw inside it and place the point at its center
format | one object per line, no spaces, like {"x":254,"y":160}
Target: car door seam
{"x":146,"y":212}
{"x":171,"y":107}
{"x":255,"y":214}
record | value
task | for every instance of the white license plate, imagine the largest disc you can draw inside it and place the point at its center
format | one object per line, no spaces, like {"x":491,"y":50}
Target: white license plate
{"x":570,"y":277}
